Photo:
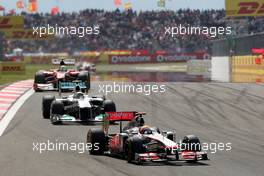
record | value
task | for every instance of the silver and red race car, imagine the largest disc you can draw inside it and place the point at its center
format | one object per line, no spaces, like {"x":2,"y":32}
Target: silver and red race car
{"x":64,"y":76}
{"x":139,"y":143}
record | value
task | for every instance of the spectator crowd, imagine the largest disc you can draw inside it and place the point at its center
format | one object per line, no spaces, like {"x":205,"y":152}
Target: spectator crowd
{"x":132,"y":30}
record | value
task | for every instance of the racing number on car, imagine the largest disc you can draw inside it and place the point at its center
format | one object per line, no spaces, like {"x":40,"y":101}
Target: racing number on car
{"x":247,"y":8}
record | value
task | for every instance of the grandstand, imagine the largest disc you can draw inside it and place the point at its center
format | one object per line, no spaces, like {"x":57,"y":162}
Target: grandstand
{"x":132,"y":30}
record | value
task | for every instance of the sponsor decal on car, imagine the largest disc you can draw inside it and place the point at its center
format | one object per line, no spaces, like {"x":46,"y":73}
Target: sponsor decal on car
{"x":72,"y":85}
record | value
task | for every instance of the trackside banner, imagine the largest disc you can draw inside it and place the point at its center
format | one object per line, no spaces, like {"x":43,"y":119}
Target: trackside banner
{"x":8,"y":23}
{"x":13,"y":28}
{"x":12,"y":68}
{"x":156,"y":58}
{"x":25,"y":34}
{"x":240,"y":8}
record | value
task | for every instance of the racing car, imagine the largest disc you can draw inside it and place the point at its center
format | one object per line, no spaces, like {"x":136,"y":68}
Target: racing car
{"x":139,"y":143}
{"x":76,"y":108}
{"x":86,"y":66}
{"x":49,"y":80}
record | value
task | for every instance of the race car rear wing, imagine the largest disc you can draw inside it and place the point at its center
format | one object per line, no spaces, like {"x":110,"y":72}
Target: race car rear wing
{"x":71,"y":86}
{"x":123,"y":116}
{"x":119,"y":117}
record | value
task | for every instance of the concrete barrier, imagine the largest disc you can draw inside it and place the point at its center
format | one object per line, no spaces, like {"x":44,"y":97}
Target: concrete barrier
{"x":199,"y":67}
{"x":221,"y":69}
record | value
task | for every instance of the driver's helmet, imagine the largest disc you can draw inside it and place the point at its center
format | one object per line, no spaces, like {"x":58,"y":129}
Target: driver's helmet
{"x":145,"y":130}
{"x":140,"y":121}
{"x":63,"y":68}
{"x":77,"y":89}
{"x":78,"y":95}
{"x":62,"y":62}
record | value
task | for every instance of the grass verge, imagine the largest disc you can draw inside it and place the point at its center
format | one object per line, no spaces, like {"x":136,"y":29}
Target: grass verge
{"x":29,"y":74}
{"x":101,"y":68}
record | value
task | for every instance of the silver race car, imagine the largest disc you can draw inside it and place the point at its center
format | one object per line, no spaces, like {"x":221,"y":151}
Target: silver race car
{"x":77,"y":107}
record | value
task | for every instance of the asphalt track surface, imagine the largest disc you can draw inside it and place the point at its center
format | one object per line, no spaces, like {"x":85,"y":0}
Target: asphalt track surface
{"x":216,"y":112}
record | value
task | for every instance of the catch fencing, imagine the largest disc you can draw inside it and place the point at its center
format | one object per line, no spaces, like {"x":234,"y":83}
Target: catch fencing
{"x":238,"y":46}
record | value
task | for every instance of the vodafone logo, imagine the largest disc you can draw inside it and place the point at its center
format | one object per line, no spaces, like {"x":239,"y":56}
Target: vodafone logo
{"x":157,"y":58}
{"x":130,"y":59}
{"x":174,"y":58}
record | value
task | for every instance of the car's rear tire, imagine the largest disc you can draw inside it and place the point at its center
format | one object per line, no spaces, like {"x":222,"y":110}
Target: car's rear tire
{"x":85,"y":77}
{"x":109,"y":106}
{"x":46,"y":104}
{"x":97,"y":138}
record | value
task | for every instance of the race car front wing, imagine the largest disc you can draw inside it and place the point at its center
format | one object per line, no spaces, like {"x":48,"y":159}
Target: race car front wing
{"x":183,"y":156}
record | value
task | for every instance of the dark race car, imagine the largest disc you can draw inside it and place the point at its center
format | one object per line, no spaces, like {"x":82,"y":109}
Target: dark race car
{"x":49,"y":80}
{"x":139,"y":143}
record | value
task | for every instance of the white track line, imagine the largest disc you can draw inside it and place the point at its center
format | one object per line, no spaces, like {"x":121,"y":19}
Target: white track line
{"x":12,"y":91}
{"x":5,"y":105}
{"x":16,"y":89}
{"x":8,"y":94}
{"x":6,"y":100}
{"x":2,"y":111}
{"x":13,"y":110}
{"x":8,"y":89}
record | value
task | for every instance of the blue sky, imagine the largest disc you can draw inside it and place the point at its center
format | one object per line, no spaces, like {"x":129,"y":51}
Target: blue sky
{"x":76,"y":5}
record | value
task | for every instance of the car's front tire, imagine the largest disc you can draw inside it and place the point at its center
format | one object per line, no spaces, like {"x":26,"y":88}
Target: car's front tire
{"x":57,"y":110}
{"x":46,"y":104}
{"x":109,"y":106}
{"x":134,"y":145}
